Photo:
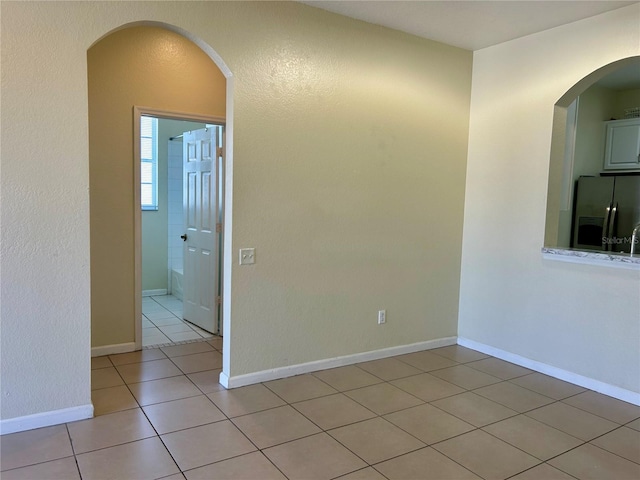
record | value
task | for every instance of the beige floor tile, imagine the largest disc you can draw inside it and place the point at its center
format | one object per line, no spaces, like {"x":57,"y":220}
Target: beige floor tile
{"x":245,"y":400}
{"x":155,"y":340}
{"x":250,"y":466}
{"x":429,"y":424}
{"x":164,"y":390}
{"x":533,"y":437}
{"x":62,"y":469}
{"x":34,"y":446}
{"x":592,"y":463}
{"x":145,"y":371}
{"x":543,"y":472}
{"x":424,"y":464}
{"x":275,"y":426}
{"x":199,"y":446}
{"x":427,"y":387}
{"x":465,"y":377}
{"x":389,"y":369}
{"x":307,"y":457}
{"x":459,"y":353}
{"x":333,"y":411}
{"x":365,"y":474}
{"x":216,"y":342}
{"x":109,"y":430}
{"x":486,"y":455}
{"x":499,"y":368}
{"x":137,"y":357}
{"x":573,"y":421}
{"x":105,"y":377}
{"x":635,"y":424}
{"x":299,"y":388}
{"x":376,"y":440}
{"x":208,"y":381}
{"x":175,"y":476}
{"x":158,"y":314}
{"x":347,"y":378}
{"x":548,"y":386}
{"x":184,"y":413}
{"x":112,"y":399}
{"x":427,"y":361}
{"x":605,"y":406}
{"x":474,"y":409}
{"x":144,"y":459}
{"x":623,"y":441}
{"x":100,"y":362}
{"x":513,"y":396}
{"x":198,"y":362}
{"x":383,"y":398}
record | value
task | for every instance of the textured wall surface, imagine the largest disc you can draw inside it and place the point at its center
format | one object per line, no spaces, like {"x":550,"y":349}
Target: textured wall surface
{"x":347,"y":177}
{"x":581,"y":318}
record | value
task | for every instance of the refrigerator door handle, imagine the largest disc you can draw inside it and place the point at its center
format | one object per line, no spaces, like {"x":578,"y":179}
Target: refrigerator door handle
{"x":612,"y":224}
{"x":606,"y":243}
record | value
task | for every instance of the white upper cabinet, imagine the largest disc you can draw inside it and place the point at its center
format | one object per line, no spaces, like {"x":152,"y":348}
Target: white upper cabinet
{"x":622,"y":145}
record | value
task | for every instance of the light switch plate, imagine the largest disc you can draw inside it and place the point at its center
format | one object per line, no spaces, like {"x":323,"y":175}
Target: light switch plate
{"x":247,"y":256}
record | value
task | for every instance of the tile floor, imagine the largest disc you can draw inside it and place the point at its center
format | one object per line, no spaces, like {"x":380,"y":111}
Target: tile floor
{"x":448,"y":413}
{"x":162,"y":322}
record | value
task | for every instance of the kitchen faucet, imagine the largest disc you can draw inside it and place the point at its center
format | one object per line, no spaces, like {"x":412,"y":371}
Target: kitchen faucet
{"x":634,"y":238}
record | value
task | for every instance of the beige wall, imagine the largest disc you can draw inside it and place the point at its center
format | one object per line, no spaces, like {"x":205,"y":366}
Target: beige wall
{"x":579,"y":318}
{"x":627,"y":99}
{"x":142,"y":66}
{"x":349,"y":150}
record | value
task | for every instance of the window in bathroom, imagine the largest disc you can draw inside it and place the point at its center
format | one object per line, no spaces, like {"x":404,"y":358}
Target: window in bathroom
{"x":149,"y":163}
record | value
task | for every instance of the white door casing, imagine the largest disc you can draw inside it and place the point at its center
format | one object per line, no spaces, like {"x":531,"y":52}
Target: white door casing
{"x":201,"y":153}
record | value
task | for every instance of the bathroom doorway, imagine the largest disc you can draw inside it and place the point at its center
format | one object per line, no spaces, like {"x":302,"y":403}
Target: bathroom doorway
{"x":164,"y":142}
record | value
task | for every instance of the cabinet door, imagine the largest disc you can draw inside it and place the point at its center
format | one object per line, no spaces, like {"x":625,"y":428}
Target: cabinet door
{"x":622,"y":151}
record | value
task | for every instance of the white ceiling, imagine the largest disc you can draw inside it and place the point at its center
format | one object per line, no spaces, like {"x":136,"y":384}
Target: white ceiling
{"x":471,"y":25}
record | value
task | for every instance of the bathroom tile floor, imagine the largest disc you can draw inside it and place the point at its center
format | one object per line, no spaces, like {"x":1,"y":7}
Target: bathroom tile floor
{"x":162,"y":322}
{"x":447,"y":413}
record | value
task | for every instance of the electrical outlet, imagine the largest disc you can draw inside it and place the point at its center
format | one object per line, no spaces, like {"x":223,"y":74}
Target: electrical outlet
{"x":382,"y":317}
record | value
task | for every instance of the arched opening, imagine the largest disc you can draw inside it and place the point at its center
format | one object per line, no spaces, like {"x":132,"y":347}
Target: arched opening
{"x":578,"y":141}
{"x":138,"y":68}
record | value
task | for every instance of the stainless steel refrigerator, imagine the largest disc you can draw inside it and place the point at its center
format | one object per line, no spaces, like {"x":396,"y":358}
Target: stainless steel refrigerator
{"x":606,"y":211}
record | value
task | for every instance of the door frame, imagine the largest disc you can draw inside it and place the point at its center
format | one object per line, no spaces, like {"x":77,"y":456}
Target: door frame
{"x":139,"y":111}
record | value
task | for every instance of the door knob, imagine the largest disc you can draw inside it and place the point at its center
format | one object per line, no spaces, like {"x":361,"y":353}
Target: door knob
{"x":184,"y":237}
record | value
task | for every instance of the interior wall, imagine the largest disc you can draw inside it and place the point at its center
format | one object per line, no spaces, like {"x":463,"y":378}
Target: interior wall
{"x":350,"y":145}
{"x":140,"y":66}
{"x":580,"y":318}
{"x":627,"y":99}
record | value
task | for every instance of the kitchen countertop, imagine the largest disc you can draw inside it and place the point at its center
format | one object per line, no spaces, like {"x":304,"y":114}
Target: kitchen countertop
{"x":619,"y":260}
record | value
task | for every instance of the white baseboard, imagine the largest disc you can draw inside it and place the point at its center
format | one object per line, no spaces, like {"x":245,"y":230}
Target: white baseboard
{"x":291,"y":370}
{"x":586,"y":382}
{"x":45,"y":419}
{"x":113,"y":349}
{"x":158,"y":291}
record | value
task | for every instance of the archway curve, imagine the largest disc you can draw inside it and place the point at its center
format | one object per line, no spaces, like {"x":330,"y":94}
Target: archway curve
{"x":557,"y":167}
{"x":213,"y":55}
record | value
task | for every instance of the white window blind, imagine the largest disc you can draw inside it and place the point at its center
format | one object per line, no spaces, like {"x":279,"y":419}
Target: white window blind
{"x":149,"y":163}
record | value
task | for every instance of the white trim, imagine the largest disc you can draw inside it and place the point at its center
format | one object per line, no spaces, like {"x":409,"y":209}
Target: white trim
{"x":289,"y":371}
{"x":45,"y":419}
{"x":113,"y":349}
{"x":586,"y":382}
{"x":157,"y":291}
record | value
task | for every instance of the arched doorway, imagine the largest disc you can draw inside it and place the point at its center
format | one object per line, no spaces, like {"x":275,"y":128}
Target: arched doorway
{"x":158,"y":67}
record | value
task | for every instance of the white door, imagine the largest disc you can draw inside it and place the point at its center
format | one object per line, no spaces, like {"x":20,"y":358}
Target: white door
{"x":201,"y":152}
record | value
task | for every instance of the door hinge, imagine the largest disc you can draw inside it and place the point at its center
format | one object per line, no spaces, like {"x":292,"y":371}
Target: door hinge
{"x":218,"y":228}
{"x":219,"y":151}
{"x":219,"y":300}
